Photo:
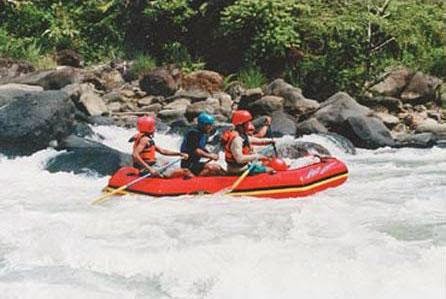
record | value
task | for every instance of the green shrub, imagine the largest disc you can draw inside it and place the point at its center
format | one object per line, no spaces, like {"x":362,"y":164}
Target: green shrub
{"x":176,"y":53}
{"x":332,"y":35}
{"x":141,"y":65}
{"x":265,"y":29}
{"x":251,"y":77}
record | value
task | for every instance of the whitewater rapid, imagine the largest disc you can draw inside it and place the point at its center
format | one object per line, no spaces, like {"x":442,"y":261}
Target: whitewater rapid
{"x":380,"y":235}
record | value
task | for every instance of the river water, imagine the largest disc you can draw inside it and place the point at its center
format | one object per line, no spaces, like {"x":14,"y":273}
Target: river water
{"x":380,"y":235}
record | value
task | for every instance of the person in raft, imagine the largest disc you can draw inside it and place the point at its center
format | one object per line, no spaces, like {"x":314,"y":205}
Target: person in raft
{"x":194,"y":144}
{"x":238,"y":145}
{"x":144,"y":149}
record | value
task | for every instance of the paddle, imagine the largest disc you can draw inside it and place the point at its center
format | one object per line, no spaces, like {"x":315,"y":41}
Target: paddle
{"x":270,"y":135}
{"x":244,"y":174}
{"x":103,"y":198}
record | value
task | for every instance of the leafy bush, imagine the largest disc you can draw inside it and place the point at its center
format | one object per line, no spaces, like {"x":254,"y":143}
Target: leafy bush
{"x":251,"y":77}
{"x":331,"y":37}
{"x":177,"y":54}
{"x":265,"y":29}
{"x":142,"y":64}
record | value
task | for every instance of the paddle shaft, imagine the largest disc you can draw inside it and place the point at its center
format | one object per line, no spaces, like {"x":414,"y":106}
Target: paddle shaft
{"x":270,"y":135}
{"x":122,"y":188}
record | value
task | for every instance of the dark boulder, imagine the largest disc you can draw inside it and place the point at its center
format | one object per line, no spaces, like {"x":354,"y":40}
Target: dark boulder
{"x":249,"y":96}
{"x":422,"y":140}
{"x":82,"y":129}
{"x":379,"y":102}
{"x":100,"y":120}
{"x":310,"y":126}
{"x":338,"y":108}
{"x":282,"y":124}
{"x":10,"y":92}
{"x":161,"y":81}
{"x":265,"y":105}
{"x":294,"y":102}
{"x":367,"y":132}
{"x":49,"y":80}
{"x":86,"y":156}
{"x":179,"y":126}
{"x":343,"y":115}
{"x":69,"y":57}
{"x":30,"y":122}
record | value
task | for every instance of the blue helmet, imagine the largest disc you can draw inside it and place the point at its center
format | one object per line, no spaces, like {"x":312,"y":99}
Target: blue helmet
{"x":205,"y":119}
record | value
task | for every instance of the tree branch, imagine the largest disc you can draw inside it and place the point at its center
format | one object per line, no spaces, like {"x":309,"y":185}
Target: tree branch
{"x":380,"y":46}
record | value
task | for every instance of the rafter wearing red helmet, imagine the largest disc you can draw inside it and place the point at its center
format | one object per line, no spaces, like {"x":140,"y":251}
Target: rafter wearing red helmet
{"x":145,"y":149}
{"x":238,"y":145}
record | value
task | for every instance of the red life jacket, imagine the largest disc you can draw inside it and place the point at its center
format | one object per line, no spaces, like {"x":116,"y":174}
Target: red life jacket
{"x":148,"y":153}
{"x":226,"y":140}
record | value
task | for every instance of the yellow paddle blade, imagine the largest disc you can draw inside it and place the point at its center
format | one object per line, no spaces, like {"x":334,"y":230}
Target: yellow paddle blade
{"x":104,"y":197}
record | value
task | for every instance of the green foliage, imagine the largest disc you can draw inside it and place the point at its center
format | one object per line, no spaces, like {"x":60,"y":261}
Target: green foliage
{"x":176,"y":11}
{"x":251,"y":77}
{"x":141,"y":65}
{"x":90,"y":27}
{"x":321,"y":45}
{"x":178,"y":54}
{"x":45,"y":62}
{"x":437,"y":64}
{"x":265,"y":28}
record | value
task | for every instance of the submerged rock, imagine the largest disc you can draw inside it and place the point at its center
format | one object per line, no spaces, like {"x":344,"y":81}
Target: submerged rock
{"x":300,"y":149}
{"x":85,"y":155}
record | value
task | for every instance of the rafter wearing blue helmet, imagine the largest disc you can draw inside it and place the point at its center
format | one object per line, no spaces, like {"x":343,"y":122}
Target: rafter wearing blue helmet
{"x":194,"y":144}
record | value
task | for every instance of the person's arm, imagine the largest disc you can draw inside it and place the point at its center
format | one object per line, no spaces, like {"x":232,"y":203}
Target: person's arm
{"x":200,"y":150}
{"x":205,"y":154}
{"x":137,"y":155}
{"x":260,"y":141}
{"x":237,"y":152}
{"x":168,"y":152}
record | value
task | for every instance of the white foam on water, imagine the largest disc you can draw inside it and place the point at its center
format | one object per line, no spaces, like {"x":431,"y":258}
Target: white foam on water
{"x":380,"y":235}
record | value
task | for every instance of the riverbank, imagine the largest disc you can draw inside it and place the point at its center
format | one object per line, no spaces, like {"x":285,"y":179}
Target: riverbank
{"x":53,"y":107}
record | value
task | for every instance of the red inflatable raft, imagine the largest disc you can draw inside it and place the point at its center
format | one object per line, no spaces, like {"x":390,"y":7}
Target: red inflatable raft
{"x":329,"y":172}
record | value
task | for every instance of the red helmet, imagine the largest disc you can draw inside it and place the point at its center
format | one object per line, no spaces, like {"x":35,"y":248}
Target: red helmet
{"x":277,"y":164}
{"x":240,"y":117}
{"x":146,"y":124}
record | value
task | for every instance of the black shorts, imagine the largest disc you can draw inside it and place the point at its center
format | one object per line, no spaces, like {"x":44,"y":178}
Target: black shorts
{"x":196,"y":167}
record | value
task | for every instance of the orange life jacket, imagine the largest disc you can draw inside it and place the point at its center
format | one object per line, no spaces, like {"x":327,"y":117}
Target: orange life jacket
{"x":148,"y":153}
{"x":226,"y":140}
